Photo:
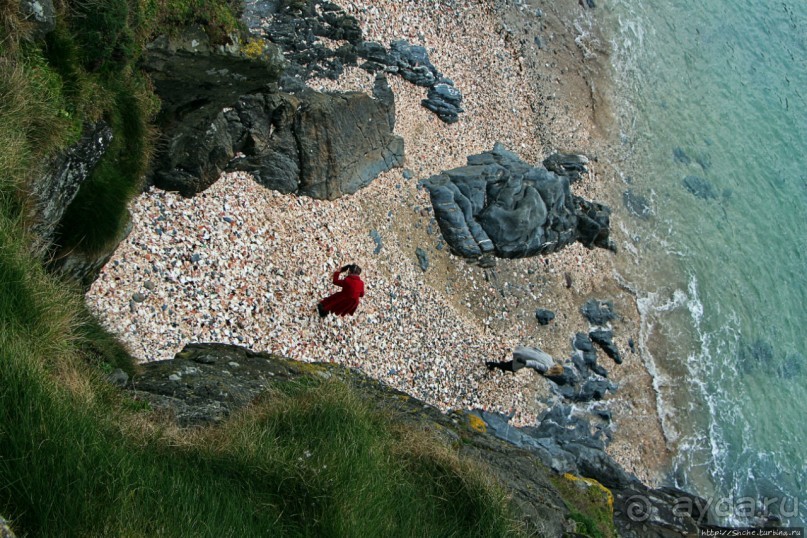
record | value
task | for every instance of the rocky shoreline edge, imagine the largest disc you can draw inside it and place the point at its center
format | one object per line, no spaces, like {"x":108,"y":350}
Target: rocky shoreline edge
{"x":206,"y":383}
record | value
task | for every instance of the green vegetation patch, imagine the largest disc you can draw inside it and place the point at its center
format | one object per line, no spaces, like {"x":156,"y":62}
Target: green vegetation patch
{"x":590,"y":505}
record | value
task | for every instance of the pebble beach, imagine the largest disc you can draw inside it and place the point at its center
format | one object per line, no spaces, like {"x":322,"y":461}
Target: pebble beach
{"x":244,"y":265}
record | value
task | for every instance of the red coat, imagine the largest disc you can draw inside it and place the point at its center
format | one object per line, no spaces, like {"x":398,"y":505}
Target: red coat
{"x":347,"y":300}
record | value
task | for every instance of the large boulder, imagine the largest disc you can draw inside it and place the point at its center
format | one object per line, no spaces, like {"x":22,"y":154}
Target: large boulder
{"x":322,"y":145}
{"x":500,"y":205}
{"x":54,"y":190}
{"x":196,"y":77}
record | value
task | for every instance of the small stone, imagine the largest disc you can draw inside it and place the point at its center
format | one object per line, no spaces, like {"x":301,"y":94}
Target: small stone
{"x":544,"y":316}
{"x":138,"y":297}
{"x":149,"y":285}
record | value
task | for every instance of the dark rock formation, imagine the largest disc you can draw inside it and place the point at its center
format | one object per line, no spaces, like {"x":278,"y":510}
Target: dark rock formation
{"x":498,"y":204}
{"x":680,"y":156}
{"x":571,"y":165}
{"x":53,"y":192}
{"x":207,"y":382}
{"x":598,"y":312}
{"x":700,"y":187}
{"x":196,"y":78}
{"x":636,"y":204}
{"x":604,"y":339}
{"x":544,"y":316}
{"x":423,"y":259}
{"x":314,"y":144}
{"x":295,"y":29}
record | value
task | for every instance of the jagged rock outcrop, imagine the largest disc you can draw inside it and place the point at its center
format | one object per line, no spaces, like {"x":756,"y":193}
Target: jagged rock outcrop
{"x":571,"y":165}
{"x":500,"y":205}
{"x":54,"y":190}
{"x":195,"y":77}
{"x":205,"y":383}
{"x":296,"y":26}
{"x":322,"y":145}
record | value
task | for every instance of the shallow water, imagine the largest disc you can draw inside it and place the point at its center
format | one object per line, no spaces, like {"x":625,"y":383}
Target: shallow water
{"x":713,"y":121}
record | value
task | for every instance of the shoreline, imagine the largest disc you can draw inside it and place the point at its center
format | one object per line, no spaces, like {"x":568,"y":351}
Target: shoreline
{"x":261,"y":275}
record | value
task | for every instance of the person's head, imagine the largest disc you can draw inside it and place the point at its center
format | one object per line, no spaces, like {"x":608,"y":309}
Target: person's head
{"x":354,"y":269}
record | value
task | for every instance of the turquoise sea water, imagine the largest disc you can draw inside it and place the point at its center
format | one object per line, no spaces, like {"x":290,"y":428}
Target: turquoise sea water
{"x":716,"y":92}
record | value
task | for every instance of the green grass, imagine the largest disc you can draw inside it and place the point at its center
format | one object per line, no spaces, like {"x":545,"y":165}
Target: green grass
{"x":591,"y":505}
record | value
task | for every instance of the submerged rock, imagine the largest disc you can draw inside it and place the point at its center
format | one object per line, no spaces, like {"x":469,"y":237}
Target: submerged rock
{"x":700,"y":187}
{"x":636,"y":204}
{"x":500,"y":205}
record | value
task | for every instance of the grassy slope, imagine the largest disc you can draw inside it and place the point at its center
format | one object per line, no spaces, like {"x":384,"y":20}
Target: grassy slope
{"x":79,"y":459}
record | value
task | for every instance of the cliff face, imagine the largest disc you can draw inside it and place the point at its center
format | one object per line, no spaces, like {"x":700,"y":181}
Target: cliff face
{"x":540,"y":467}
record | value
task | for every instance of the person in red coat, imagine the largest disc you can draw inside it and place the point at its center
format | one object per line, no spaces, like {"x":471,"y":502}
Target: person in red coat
{"x":346,"y":300}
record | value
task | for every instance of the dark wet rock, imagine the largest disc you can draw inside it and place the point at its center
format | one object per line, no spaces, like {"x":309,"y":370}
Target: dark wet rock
{"x":680,"y":156}
{"x":296,"y":33}
{"x":40,"y":14}
{"x":792,"y":366}
{"x":755,"y":355}
{"x":598,"y":312}
{"x":322,"y":145}
{"x":704,"y":160}
{"x":604,"y":339}
{"x":636,"y":204}
{"x":296,"y":29}
{"x":585,"y":350}
{"x":413,"y":63}
{"x":642,"y":512}
{"x":544,"y":316}
{"x":582,"y":342}
{"x":423,"y":258}
{"x":195,"y":77}
{"x":571,"y":165}
{"x":700,"y":187}
{"x":594,"y":389}
{"x":444,"y":100}
{"x":632,"y":345}
{"x":567,"y":377}
{"x":377,"y":239}
{"x":53,"y":192}
{"x":500,"y":205}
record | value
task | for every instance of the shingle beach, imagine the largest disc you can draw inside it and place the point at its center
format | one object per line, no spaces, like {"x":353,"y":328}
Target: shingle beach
{"x":244,"y":265}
